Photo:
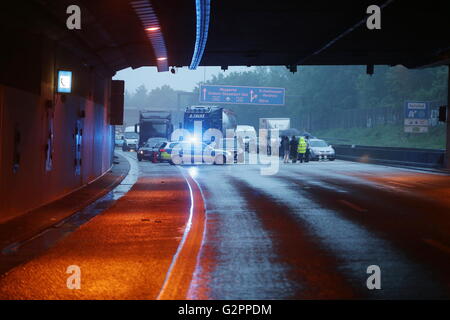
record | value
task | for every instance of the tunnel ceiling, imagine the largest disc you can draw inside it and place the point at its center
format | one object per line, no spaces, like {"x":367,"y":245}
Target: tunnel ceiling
{"x":247,"y":32}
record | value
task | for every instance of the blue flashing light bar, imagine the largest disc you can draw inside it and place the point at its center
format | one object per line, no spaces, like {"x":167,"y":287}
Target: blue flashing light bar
{"x":203,"y":8}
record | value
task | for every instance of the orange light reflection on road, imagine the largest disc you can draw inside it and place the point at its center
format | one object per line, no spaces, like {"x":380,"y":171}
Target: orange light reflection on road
{"x":432,"y":186}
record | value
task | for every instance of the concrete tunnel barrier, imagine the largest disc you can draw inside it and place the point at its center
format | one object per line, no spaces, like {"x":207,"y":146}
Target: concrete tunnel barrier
{"x":427,"y":158}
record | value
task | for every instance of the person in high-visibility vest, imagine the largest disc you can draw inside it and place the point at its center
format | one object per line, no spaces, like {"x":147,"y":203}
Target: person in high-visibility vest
{"x":301,"y":149}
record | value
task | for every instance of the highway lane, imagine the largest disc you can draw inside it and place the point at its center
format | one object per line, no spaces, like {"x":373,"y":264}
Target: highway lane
{"x":124,"y":252}
{"x":307,"y":232}
{"x":311,"y":230}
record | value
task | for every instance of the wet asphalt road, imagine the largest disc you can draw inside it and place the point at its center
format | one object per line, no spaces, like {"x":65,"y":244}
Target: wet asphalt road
{"x":311,"y":231}
{"x":308,"y":232}
{"x":123,"y":252}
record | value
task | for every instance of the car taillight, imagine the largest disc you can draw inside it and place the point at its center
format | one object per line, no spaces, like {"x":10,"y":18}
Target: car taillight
{"x":162,"y":150}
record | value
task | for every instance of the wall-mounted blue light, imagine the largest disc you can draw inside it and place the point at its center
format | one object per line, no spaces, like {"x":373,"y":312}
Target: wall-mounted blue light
{"x":64,"y":81}
{"x":203,"y":8}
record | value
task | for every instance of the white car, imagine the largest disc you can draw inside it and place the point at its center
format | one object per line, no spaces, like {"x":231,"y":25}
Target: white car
{"x":131,"y":141}
{"x":234,"y":146}
{"x":118,"y":141}
{"x":320,"y":150}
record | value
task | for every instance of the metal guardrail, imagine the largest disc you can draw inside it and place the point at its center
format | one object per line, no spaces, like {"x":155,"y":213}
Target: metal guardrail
{"x":335,"y":140}
{"x":426,"y":158}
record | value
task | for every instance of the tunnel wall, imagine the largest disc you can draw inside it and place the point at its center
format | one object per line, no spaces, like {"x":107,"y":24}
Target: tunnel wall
{"x":30,"y":107}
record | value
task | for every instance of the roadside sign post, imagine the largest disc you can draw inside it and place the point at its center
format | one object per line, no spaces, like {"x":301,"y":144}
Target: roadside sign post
{"x":417,"y":118}
{"x":242,"y":95}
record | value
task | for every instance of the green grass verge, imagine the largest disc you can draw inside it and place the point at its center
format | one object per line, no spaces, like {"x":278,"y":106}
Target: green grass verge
{"x":386,"y":136}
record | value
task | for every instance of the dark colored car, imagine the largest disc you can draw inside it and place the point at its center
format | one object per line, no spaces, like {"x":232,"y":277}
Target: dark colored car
{"x":150,"y":149}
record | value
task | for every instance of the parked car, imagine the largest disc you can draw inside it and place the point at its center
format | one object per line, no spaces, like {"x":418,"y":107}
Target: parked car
{"x":165,"y":151}
{"x":320,"y":150}
{"x":118,"y":141}
{"x":150,"y":149}
{"x":130,"y":141}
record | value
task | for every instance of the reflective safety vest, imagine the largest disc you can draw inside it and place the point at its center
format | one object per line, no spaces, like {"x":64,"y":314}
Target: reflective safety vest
{"x":301,"y":145}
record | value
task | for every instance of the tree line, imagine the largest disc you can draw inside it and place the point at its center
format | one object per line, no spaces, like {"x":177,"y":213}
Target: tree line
{"x":325,"y":90}
{"x":319,"y":90}
{"x":160,"y":98}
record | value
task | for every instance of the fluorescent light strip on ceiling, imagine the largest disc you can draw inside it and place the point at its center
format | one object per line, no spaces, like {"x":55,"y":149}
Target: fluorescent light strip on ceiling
{"x":203,"y":8}
{"x":149,"y":20}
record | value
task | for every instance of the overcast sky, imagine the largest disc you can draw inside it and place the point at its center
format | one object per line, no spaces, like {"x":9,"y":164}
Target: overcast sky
{"x":184,"y":79}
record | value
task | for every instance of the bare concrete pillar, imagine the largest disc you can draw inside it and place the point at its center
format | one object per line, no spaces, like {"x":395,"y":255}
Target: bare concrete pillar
{"x":447,"y":152}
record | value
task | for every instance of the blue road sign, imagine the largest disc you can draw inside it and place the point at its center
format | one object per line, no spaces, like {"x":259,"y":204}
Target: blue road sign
{"x":242,"y":95}
{"x":416,"y":110}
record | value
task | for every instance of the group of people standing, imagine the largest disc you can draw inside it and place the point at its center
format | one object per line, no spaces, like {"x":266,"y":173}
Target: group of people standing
{"x":294,"y":149}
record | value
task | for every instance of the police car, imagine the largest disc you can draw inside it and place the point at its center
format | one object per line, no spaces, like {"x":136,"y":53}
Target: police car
{"x":184,"y":152}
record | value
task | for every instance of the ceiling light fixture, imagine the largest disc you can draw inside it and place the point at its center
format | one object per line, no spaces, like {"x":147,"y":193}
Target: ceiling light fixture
{"x":149,"y":20}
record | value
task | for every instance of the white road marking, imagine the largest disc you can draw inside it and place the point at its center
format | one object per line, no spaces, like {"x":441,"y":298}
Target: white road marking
{"x":183,"y":240}
{"x":404,"y":185}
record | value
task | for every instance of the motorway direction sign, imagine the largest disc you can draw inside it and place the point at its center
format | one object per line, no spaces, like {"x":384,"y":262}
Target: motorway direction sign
{"x":242,"y":95}
{"x":416,"y":110}
{"x":417,"y":116}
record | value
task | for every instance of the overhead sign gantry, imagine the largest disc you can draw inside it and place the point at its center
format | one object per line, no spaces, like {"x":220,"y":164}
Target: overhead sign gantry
{"x":242,"y":95}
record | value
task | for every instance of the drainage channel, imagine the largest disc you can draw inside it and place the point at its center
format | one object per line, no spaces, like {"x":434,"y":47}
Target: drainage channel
{"x":20,"y":252}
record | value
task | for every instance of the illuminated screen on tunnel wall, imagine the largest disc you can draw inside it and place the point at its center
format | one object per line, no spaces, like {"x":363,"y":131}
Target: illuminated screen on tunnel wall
{"x":64,"y":81}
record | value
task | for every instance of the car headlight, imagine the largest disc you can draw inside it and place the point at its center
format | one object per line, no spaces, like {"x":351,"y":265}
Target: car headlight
{"x":141,"y":152}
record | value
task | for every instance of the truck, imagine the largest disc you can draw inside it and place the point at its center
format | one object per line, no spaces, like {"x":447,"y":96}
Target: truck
{"x":211,"y":117}
{"x":154,"y":124}
{"x":273,"y":124}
